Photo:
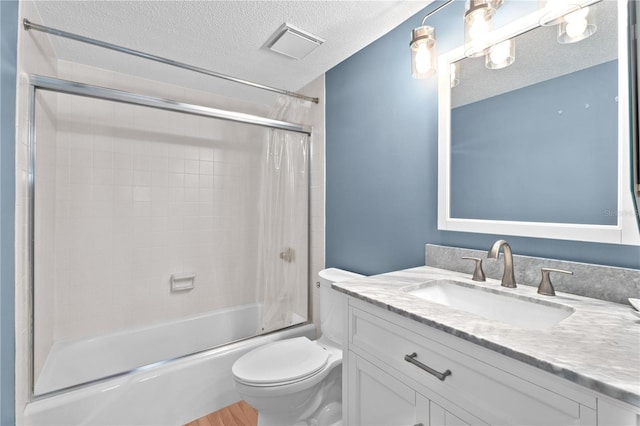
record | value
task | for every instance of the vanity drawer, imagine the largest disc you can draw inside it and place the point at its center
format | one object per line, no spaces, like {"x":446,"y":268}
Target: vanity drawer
{"x":490,"y":393}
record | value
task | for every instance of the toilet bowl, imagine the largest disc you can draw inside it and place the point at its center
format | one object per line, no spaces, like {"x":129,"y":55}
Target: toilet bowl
{"x":299,"y":381}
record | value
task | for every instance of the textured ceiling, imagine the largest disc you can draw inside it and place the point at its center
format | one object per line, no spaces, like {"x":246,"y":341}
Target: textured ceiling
{"x":225,"y":36}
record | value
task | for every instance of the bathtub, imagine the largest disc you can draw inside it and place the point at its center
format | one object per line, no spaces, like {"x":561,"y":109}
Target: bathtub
{"x":160,"y":392}
{"x":71,"y":362}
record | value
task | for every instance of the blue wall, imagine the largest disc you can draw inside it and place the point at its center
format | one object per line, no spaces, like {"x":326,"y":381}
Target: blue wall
{"x":8,"y":53}
{"x":381,"y":172}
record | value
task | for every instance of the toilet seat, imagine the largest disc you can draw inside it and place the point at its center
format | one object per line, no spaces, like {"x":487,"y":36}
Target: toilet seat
{"x":281,"y":363}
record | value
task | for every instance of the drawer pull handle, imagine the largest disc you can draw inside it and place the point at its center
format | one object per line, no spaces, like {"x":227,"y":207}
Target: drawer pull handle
{"x":412,"y":359}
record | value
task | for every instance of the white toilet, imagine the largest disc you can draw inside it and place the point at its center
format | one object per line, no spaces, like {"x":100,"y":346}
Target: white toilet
{"x":299,"y":381}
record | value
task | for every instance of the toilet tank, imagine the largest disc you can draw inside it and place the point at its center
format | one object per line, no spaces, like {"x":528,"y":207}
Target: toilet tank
{"x":333,"y":304}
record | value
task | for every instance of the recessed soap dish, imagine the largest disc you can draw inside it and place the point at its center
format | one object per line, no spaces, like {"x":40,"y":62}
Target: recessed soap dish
{"x":183,"y":282}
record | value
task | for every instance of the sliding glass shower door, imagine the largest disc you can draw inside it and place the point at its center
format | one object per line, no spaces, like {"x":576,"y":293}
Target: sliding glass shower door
{"x":154,"y":233}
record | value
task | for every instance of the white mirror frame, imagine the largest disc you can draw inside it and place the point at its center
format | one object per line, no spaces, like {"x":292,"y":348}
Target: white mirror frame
{"x":624,"y":232}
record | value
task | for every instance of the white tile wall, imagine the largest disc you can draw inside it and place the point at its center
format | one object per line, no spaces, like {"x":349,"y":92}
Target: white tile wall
{"x":144,"y":194}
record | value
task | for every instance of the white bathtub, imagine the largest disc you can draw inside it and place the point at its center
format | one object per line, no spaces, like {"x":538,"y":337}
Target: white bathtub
{"x":71,"y":362}
{"x":165,"y":393}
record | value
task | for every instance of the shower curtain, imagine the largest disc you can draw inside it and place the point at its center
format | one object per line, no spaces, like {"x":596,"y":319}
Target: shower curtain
{"x":283,"y":222}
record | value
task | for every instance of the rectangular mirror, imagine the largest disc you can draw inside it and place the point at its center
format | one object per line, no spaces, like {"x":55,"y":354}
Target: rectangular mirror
{"x":538,"y":148}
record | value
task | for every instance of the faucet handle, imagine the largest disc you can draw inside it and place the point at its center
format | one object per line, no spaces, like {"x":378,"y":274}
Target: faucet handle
{"x":478,"y":273}
{"x":545,"y":286}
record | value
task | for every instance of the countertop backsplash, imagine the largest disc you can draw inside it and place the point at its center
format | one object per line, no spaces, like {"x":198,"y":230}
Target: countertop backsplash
{"x":608,"y":283}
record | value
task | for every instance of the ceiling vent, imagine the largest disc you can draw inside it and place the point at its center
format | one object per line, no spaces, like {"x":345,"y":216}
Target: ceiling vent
{"x":293,"y":42}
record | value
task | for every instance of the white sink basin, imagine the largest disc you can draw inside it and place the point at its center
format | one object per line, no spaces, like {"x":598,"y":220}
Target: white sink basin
{"x":515,"y":310}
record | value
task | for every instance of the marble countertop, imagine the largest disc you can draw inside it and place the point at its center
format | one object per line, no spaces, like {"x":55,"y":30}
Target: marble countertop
{"x":598,"y":346}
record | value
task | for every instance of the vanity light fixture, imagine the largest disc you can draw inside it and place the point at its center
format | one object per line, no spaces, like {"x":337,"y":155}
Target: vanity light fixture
{"x":501,"y":55}
{"x":577,"y":26}
{"x":574,"y":18}
{"x":478,"y":24}
{"x":423,"y":51}
{"x":423,"y":47}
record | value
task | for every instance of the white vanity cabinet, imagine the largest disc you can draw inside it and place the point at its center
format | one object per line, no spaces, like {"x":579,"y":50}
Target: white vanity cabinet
{"x":483,"y":387}
{"x":377,"y":398}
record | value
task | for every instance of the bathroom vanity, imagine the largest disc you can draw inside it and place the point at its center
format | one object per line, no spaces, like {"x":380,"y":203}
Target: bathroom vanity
{"x":411,"y":359}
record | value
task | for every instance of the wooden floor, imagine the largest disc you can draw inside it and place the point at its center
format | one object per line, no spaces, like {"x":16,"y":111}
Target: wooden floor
{"x":238,"y":414}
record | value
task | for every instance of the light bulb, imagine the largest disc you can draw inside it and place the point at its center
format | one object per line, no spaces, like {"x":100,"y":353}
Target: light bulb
{"x":500,"y":52}
{"x":423,"y":51}
{"x":576,"y":28}
{"x":479,"y":27}
{"x":501,"y":55}
{"x":576,"y":22}
{"x":423,"y":59}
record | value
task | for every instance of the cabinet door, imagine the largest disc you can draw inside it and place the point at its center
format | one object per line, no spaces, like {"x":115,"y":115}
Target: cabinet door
{"x":614,"y":413}
{"x":377,"y":398}
{"x":441,"y":417}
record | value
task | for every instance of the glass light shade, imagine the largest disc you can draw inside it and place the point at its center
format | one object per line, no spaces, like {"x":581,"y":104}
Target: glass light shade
{"x":423,"y":52}
{"x":478,"y":24}
{"x":552,"y":12}
{"x":453,"y":75}
{"x":577,"y":26}
{"x":501,"y":55}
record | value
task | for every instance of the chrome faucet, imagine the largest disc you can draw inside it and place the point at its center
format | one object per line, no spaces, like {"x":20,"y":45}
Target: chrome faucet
{"x":508,"y":277}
